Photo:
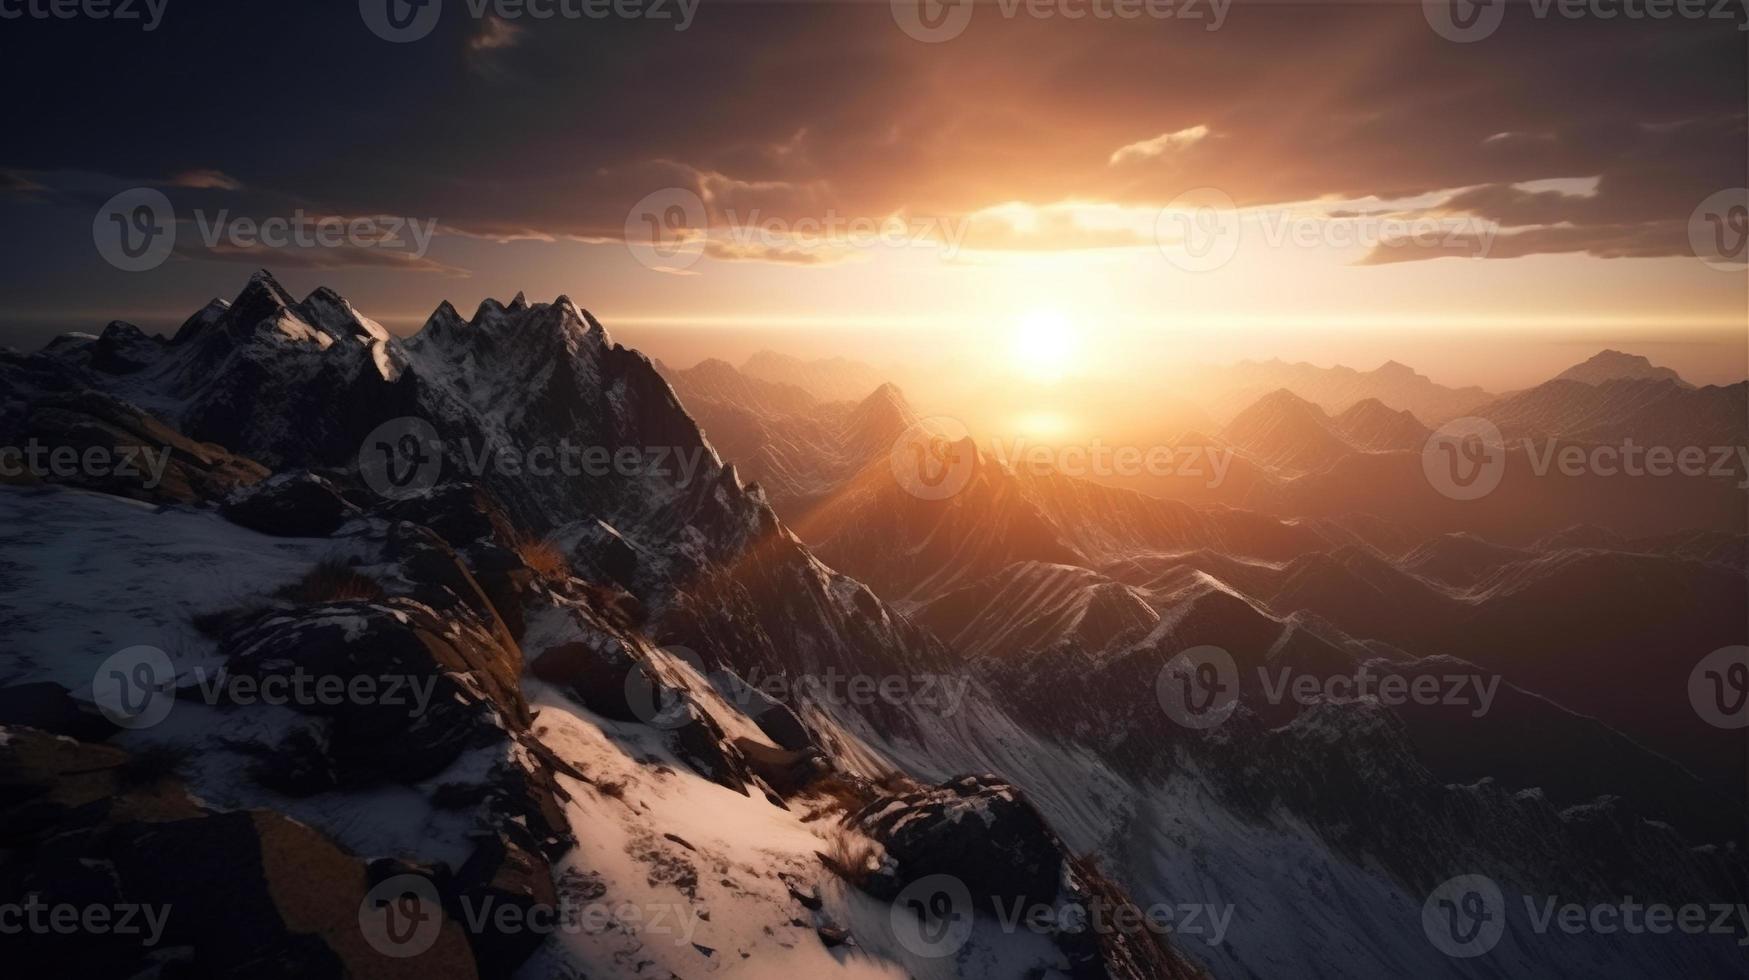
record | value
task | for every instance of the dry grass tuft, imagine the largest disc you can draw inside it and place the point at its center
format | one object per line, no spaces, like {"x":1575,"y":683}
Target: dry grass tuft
{"x":835,"y":795}
{"x":543,"y":558}
{"x":851,"y":856}
{"x":332,"y":580}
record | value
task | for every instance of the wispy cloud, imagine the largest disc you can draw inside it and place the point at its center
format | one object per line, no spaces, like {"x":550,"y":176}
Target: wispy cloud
{"x":1159,"y":146}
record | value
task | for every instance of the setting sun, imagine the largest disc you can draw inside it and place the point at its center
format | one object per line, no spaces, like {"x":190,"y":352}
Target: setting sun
{"x":1044,"y":345}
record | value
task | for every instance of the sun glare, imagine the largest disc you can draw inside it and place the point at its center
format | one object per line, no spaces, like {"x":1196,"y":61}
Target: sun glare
{"x":1044,"y":345}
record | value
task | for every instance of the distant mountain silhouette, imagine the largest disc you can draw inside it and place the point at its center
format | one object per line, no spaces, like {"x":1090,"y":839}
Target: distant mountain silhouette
{"x":1286,"y":432}
{"x":1371,"y":425}
{"x":1613,"y":365}
{"x":834,"y":379}
{"x":1652,"y":413}
{"x":1228,"y":390}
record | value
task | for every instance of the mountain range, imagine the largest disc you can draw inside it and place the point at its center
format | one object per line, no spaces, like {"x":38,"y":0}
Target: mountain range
{"x":744,"y":658}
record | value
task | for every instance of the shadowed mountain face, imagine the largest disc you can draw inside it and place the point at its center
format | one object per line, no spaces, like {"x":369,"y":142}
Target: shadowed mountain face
{"x":764,"y":650}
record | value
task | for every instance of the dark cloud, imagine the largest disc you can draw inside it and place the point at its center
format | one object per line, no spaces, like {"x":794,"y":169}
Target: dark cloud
{"x":556,"y":130}
{"x":342,"y":257}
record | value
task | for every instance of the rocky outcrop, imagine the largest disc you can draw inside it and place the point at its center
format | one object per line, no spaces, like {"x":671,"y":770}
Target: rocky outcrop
{"x":292,"y":505}
{"x":981,"y":833}
{"x":87,"y":439}
{"x":435,"y":686}
{"x":181,"y":890}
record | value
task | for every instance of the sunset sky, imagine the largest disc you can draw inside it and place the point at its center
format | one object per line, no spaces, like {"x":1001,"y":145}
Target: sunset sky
{"x":1024,"y":163}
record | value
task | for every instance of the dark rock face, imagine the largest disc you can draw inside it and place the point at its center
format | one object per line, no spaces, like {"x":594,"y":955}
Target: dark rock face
{"x":777,"y":720}
{"x":437,"y":686}
{"x":124,"y":348}
{"x":616,"y":680}
{"x":140,"y":457}
{"x":702,"y":744}
{"x":471,"y":520}
{"x":463,"y":513}
{"x":291,"y":505}
{"x":977,"y":829}
{"x":51,"y":708}
{"x":444,"y":582}
{"x":291,"y":384}
{"x":785,"y":771}
{"x":502,"y":873}
{"x":983,"y":832}
{"x":596,"y":674}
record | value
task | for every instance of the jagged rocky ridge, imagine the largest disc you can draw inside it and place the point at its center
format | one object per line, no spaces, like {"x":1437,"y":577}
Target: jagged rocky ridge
{"x":675,"y":581}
